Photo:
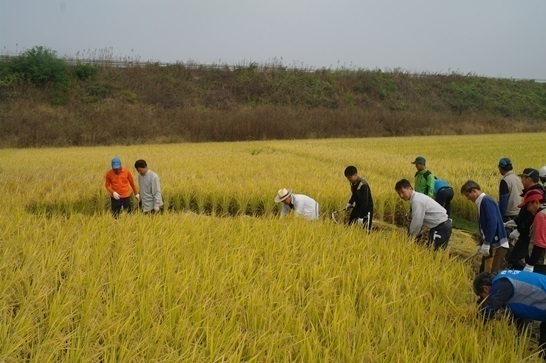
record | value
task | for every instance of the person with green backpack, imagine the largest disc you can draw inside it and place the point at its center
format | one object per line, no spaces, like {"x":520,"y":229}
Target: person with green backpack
{"x":424,"y":179}
{"x":428,"y":184}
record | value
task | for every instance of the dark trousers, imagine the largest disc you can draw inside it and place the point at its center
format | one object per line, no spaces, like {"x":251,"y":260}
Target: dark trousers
{"x":540,"y":269}
{"x":518,"y":253}
{"x":117,"y":204}
{"x":444,"y":197}
{"x":367,"y":222}
{"x":439,"y":235}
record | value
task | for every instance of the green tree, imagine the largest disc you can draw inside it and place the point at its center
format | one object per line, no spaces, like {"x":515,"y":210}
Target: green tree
{"x":40,"y":66}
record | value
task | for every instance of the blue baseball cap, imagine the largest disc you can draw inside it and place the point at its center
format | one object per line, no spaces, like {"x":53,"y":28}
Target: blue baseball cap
{"x":504,"y":162}
{"x":116,"y":163}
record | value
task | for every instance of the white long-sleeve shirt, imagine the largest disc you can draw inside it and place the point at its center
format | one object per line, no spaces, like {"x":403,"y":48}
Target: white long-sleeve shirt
{"x":303,"y":206}
{"x":425,"y":211}
{"x":150,"y":191}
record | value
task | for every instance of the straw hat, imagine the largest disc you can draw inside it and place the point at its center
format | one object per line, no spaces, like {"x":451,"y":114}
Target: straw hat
{"x":282,"y":194}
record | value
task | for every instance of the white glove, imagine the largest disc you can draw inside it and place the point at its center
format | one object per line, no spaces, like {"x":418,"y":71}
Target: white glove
{"x":514,"y":235}
{"x":349,"y":205}
{"x":360,"y":221}
{"x":156,"y":209}
{"x":484,"y":250}
{"x":115,"y":195}
{"x":510,"y":224}
{"x":528,"y":268}
{"x":137,"y":196}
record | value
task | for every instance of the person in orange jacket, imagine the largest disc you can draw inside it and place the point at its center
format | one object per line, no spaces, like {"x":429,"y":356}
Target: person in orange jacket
{"x":118,"y":180}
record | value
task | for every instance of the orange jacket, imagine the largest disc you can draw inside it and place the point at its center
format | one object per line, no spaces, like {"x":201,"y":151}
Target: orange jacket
{"x":120,"y":182}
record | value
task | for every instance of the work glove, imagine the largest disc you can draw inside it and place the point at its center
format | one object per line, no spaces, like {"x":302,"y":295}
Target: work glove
{"x":156,"y":209}
{"x":484,"y":250}
{"x":115,"y":195}
{"x":360,"y":221}
{"x":349,"y":205}
{"x":510,"y":224}
{"x":528,"y":268}
{"x":514,"y":235}
{"x":137,"y":196}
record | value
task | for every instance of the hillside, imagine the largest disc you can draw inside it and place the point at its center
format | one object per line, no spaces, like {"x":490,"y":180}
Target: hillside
{"x":45,"y":101}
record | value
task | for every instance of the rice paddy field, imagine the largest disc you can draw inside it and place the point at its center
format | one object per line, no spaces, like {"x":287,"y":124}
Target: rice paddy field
{"x":218,"y":277}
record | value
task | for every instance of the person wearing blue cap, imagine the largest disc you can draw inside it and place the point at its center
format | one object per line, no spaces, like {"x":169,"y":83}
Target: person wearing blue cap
{"x":509,"y":190}
{"x":118,"y":180}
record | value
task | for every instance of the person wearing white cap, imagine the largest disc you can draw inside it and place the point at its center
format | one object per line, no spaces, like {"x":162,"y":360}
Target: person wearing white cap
{"x":301,"y":204}
{"x":542,"y":175}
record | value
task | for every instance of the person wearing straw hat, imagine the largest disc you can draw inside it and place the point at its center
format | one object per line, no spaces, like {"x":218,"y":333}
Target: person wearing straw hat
{"x":533,"y":201}
{"x":118,"y":180}
{"x":301,"y":204}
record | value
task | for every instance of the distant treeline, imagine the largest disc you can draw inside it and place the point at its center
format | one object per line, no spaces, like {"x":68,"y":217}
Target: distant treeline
{"x":45,"y":101}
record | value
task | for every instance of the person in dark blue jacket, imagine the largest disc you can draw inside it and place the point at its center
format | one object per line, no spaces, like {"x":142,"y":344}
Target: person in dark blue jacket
{"x":522,"y":293}
{"x":494,"y":240}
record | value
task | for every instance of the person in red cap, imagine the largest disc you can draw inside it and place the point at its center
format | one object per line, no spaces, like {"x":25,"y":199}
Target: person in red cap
{"x":524,"y":221}
{"x":533,"y":201}
{"x":118,"y":180}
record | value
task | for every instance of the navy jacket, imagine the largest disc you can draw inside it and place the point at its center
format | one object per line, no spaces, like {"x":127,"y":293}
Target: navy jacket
{"x":491,"y":224}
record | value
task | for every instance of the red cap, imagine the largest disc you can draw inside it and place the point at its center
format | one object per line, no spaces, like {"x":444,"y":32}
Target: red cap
{"x":530,"y":196}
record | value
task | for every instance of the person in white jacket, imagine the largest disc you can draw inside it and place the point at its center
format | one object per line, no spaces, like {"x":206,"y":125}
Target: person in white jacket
{"x":302,"y":205}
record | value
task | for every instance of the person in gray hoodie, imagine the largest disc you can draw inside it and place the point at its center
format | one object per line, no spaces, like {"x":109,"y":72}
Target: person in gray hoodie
{"x":151,"y":200}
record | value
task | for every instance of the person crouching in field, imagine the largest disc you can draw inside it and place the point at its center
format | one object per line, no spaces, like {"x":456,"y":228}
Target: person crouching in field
{"x":494,"y":241}
{"x":151,"y":200}
{"x":301,"y":204}
{"x":118,"y":180}
{"x":425,"y":211}
{"x":522,"y":293}
{"x":361,"y":199}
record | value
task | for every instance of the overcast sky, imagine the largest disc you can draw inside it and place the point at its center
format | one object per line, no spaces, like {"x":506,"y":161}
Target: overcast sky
{"x":496,"y":38}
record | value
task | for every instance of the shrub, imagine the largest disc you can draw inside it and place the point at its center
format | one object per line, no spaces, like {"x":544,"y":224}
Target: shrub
{"x":40,"y":66}
{"x":84,"y":71}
